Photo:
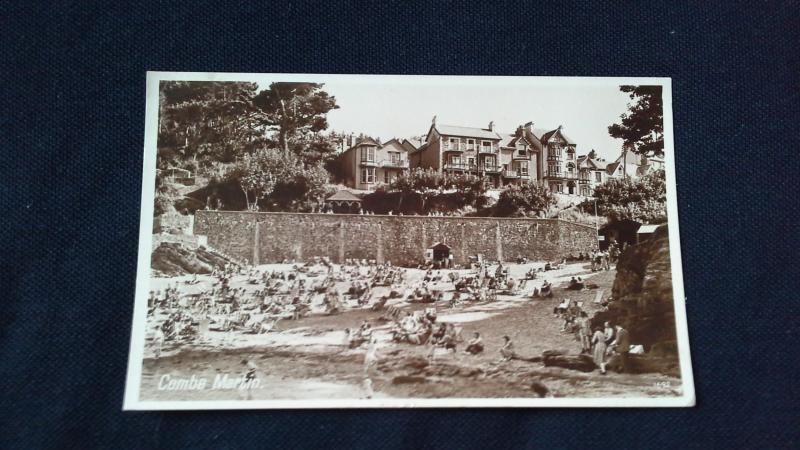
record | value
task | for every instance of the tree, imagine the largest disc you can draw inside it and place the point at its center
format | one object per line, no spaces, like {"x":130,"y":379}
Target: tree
{"x":643,"y":200}
{"x":642,"y":127}
{"x":273,"y":180}
{"x":201,"y":121}
{"x":293,"y":108}
{"x":471,"y":187}
{"x":524,"y":199}
{"x":424,"y":182}
{"x":257,"y":174}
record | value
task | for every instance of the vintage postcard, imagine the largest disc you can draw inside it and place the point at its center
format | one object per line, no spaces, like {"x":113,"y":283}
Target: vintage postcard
{"x":362,"y":241}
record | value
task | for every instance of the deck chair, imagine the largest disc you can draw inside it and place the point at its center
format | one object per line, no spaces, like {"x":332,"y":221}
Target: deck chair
{"x":598,"y":298}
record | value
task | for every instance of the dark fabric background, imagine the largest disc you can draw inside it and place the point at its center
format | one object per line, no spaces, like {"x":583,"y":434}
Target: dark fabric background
{"x":73,"y":92}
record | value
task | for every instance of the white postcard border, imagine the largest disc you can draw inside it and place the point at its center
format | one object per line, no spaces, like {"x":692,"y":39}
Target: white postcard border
{"x":133,"y":383}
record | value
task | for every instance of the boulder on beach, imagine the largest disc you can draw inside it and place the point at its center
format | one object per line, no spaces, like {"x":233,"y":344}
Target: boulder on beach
{"x":176,"y":259}
{"x":583,"y":363}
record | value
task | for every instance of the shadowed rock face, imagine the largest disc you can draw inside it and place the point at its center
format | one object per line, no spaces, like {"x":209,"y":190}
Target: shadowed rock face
{"x":642,"y":292}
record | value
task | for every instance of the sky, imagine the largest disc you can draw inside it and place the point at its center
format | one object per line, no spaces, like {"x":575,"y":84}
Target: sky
{"x":401,"y":107}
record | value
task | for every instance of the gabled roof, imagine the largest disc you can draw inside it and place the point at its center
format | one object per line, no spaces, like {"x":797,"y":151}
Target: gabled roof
{"x":511,"y":140}
{"x":408,"y":145}
{"x":420,"y":148}
{"x":594,"y":164}
{"x":366,"y":141}
{"x":453,"y":130}
{"x":396,"y":145}
{"x":343,"y":195}
{"x":534,"y":136}
{"x":549,"y":135}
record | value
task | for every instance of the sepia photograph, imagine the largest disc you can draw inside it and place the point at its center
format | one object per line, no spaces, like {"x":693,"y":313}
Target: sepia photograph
{"x":363,"y":241}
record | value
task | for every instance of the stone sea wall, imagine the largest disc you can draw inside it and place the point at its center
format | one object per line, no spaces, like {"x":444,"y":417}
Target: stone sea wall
{"x":271,"y":237}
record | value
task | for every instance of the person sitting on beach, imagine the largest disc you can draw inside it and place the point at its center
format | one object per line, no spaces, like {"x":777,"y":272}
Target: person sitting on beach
{"x":546,"y":290}
{"x":421,"y":335}
{"x":561,"y":308}
{"x":574,"y":285}
{"x":475,"y":345}
{"x":547,"y":266}
{"x":455,"y":300}
{"x":507,"y":350}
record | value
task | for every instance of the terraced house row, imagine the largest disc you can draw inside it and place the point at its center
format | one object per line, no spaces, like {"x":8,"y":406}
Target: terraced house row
{"x":528,"y":154}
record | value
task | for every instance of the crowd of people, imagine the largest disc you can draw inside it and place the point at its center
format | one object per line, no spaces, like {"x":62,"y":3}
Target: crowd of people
{"x":260,"y":299}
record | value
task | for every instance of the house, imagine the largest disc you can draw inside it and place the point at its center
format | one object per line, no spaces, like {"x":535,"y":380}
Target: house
{"x":592,"y":171}
{"x":528,"y":154}
{"x":501,"y":158}
{"x":561,"y":174}
{"x":368,"y":164}
{"x":457,"y":150}
{"x":631,"y":165}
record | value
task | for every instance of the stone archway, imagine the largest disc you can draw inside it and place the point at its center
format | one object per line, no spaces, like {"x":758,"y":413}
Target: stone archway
{"x":439,"y":253}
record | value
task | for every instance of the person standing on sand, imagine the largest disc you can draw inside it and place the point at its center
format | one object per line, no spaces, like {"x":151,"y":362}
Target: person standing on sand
{"x":585,"y":332}
{"x":370,"y":359}
{"x":622,"y":345}
{"x":599,"y":354}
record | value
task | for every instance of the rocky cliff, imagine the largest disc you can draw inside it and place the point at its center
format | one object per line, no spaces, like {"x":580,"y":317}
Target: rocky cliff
{"x":643,"y":298}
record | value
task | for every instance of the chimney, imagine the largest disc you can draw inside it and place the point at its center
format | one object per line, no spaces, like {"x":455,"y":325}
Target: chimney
{"x":491,"y":126}
{"x":433,"y":121}
{"x":529,"y":127}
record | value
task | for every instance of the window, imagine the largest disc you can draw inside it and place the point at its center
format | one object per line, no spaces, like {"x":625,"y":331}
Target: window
{"x":486,"y":146}
{"x":471,"y":145}
{"x":522,"y":166}
{"x":571,"y":170}
{"x":471,"y":162}
{"x":455,"y":159}
{"x":598,"y":177}
{"x":489,"y":162}
{"x":454,"y":143}
{"x":367,"y":174}
{"x":394,"y":157}
{"x":570,"y":153}
{"x":552,"y":170}
{"x":367,"y":154}
{"x":386,"y":178}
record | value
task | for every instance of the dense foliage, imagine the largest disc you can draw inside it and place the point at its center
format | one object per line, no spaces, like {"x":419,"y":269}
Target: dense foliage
{"x":642,"y":127}
{"x":642,"y":200}
{"x":524,"y":199}
{"x":426,"y":186}
{"x":268,"y":143}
